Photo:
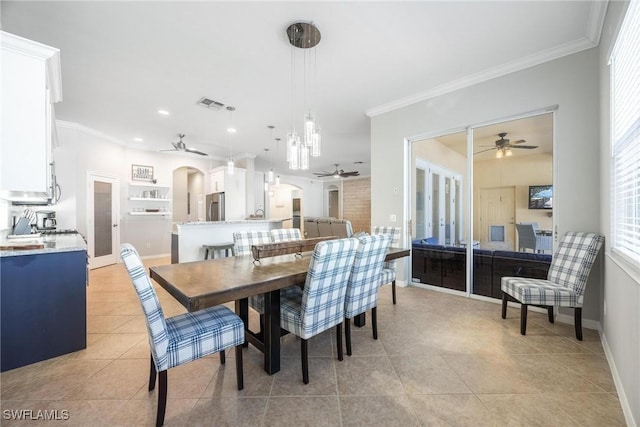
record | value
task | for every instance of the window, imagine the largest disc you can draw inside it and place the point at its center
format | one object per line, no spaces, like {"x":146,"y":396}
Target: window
{"x":625,"y":138}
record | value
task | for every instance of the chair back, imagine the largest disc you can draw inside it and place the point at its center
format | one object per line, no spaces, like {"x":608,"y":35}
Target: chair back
{"x":573,"y":260}
{"x":311,"y":228}
{"x":243,"y":240}
{"x":153,"y":315}
{"x":394,"y":232}
{"x":364,"y":281}
{"x":322,"y":305}
{"x":526,"y":236}
{"x":285,"y":235}
{"x":324,"y":227}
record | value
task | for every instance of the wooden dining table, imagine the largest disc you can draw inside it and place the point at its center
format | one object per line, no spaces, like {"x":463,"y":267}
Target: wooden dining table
{"x":200,"y":284}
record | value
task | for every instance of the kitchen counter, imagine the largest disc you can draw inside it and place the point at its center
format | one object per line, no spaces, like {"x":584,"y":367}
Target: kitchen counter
{"x":188,"y":238}
{"x":53,"y":243}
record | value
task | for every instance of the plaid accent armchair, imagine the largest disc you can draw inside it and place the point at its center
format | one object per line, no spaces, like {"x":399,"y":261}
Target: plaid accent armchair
{"x":565,"y":284}
{"x":364,"y":281}
{"x":389,"y":270}
{"x":181,"y":339}
{"x":320,"y":306}
{"x":285,"y":235}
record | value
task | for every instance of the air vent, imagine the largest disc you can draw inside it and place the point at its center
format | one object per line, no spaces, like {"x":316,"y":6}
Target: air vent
{"x":209,"y":103}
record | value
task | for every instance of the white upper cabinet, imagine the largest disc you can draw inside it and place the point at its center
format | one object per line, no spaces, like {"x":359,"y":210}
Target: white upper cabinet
{"x":30,"y":83}
{"x":234,"y":188}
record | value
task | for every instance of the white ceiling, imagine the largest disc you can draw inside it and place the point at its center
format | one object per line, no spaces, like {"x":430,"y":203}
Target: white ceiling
{"x":122,"y":61}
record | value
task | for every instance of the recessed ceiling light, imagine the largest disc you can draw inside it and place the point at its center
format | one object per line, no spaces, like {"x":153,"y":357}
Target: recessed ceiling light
{"x":136,"y":139}
{"x":163,"y":112}
{"x":231,"y":130}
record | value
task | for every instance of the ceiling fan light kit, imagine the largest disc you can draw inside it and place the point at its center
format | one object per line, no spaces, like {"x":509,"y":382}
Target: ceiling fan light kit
{"x":181,"y":146}
{"x":306,"y":36}
{"x":503,"y":146}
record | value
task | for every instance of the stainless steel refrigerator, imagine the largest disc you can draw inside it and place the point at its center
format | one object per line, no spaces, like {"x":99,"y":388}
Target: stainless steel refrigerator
{"x":215,"y":206}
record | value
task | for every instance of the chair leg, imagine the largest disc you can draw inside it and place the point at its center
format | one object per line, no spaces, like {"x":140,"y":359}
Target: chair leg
{"x":550,"y":313}
{"x":504,"y":305}
{"x":393,"y":291}
{"x":347,"y":334}
{"x":339,"y":341}
{"x":305,"y":360}
{"x":578,"y":322}
{"x":523,"y":319}
{"x":162,"y":398}
{"x":374,"y":322}
{"x":222,"y":358}
{"x":239,"y":371}
{"x":152,"y":375}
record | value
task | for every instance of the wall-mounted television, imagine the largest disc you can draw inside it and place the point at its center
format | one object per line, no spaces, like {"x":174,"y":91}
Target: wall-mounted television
{"x":540,"y":196}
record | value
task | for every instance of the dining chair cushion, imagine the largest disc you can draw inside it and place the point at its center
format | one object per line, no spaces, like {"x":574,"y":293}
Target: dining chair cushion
{"x":540,"y":292}
{"x":195,"y":335}
{"x":285,"y":235}
{"x":387,"y":275}
{"x":364,"y":281}
{"x":320,"y":305}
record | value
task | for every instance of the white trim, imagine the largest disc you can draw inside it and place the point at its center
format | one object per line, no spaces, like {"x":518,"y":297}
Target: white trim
{"x":597,"y":13}
{"x":90,"y":131}
{"x":492,"y":73}
{"x":629,"y":269}
{"x":622,"y":397}
{"x":569,"y":320}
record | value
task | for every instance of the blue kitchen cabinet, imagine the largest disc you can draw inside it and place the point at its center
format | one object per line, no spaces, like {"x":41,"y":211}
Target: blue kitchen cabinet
{"x":43,"y":307}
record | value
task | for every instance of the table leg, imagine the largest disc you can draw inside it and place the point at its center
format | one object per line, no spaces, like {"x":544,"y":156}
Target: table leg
{"x":242,"y":310}
{"x":360,"y":320}
{"x":272,"y":332}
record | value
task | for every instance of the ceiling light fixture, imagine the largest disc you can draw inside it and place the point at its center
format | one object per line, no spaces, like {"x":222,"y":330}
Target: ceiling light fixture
{"x":136,"y":139}
{"x":163,"y":112}
{"x":270,"y":172}
{"x":306,"y":36}
{"x":230,"y":129}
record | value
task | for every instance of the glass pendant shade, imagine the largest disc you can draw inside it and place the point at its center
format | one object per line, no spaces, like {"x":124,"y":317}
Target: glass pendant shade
{"x":277,"y":180}
{"x":309,"y":128}
{"x":304,"y":157}
{"x":293,"y":150}
{"x":316,"y":142}
{"x":266,"y":186}
{"x":508,"y":152}
{"x":499,"y":154}
{"x":230,"y":166}
{"x":270,"y":176}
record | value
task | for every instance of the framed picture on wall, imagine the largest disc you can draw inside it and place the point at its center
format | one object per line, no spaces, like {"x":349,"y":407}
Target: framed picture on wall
{"x":141,"y":173}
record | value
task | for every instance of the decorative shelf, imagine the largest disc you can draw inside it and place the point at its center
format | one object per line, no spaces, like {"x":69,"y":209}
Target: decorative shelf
{"x":148,"y":184}
{"x":149,"y":199}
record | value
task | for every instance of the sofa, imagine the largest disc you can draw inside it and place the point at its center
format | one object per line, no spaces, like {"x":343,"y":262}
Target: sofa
{"x":445,"y":266}
{"x":326,"y":226}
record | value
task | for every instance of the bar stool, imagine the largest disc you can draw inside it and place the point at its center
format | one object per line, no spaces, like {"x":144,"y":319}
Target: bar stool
{"x":218,"y":247}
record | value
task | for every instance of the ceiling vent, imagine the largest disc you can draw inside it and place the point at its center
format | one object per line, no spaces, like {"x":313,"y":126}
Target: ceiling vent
{"x":209,"y":103}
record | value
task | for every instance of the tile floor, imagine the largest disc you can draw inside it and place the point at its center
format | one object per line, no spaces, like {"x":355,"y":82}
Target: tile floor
{"x":440,"y":360}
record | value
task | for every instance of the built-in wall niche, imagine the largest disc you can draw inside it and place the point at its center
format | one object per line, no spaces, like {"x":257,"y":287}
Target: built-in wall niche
{"x":146,"y":198}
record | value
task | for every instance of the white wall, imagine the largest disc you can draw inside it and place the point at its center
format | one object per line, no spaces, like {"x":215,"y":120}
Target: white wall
{"x":82,"y":150}
{"x":621,"y":292}
{"x":570,"y":82}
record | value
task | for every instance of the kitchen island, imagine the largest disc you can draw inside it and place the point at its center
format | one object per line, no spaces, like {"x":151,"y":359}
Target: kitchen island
{"x":187,"y":238}
{"x":43,"y":304}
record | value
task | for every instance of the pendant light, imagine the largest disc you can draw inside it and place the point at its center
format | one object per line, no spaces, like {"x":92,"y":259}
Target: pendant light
{"x":230,"y":130}
{"x":270,"y":172}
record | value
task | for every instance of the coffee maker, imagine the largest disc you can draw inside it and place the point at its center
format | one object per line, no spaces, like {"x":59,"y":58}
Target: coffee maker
{"x":46,"y":220}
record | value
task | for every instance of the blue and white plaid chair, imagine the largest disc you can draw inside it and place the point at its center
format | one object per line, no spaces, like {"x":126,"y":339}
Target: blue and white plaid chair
{"x":362,"y":289}
{"x":565,"y":284}
{"x":285,"y":235}
{"x":243,"y":241}
{"x":320,"y":305}
{"x":180,"y":339}
{"x":389,"y":270}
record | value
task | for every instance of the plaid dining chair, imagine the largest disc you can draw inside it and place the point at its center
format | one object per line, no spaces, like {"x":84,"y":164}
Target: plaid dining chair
{"x":389,"y":270}
{"x":285,"y":235}
{"x":565,"y":283}
{"x":184,"y":338}
{"x":364,"y":281}
{"x":320,"y":305}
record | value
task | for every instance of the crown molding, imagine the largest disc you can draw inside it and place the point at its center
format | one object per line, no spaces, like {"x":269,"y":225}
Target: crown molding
{"x":595,"y":23}
{"x":90,"y":131}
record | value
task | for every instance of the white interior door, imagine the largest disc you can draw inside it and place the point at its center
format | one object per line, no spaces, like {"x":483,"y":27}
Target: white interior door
{"x":497,"y":218}
{"x":102,"y":220}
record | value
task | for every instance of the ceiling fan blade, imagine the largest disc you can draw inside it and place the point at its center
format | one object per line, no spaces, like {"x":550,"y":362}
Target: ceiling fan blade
{"x":528,"y":147}
{"x":520,"y":141}
{"x":194,"y":151}
{"x":482,"y":151}
{"x":320,"y":175}
{"x":347,"y":174}
{"x":175,"y":149}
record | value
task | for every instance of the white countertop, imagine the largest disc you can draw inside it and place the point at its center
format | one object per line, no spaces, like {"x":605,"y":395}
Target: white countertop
{"x":53,"y":243}
{"x":237,"y":221}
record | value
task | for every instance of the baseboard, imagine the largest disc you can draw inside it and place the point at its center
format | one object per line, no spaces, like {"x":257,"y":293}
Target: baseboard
{"x":622,"y":397}
{"x":156,"y":256}
{"x":586,"y":323}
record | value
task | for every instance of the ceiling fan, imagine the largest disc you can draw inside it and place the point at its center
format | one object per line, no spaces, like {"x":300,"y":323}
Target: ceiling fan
{"x":504,"y":146}
{"x":181,"y":146}
{"x":337,"y":173}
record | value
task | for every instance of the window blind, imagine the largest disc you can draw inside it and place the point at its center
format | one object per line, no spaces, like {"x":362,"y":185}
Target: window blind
{"x":625,"y":140}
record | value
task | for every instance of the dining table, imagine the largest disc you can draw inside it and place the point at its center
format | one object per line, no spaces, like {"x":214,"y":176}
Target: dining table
{"x":201,"y":284}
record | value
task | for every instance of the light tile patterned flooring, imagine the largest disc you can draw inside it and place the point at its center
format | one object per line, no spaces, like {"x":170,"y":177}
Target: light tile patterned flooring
{"x":440,"y":360}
